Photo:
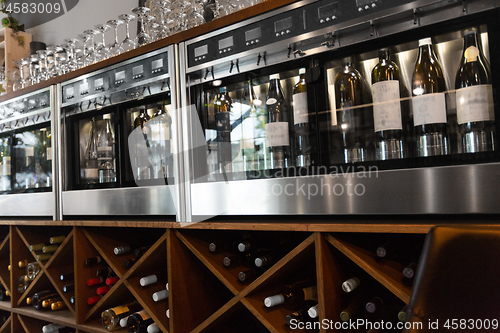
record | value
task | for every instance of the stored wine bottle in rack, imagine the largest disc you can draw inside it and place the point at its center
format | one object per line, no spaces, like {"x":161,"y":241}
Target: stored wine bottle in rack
{"x":67,"y":276}
{"x":292,"y":296}
{"x":351,"y":284}
{"x":93,"y":261}
{"x":160,"y":295}
{"x":277,"y":127}
{"x":301,"y":121}
{"x":229,"y":242}
{"x":223,"y":127}
{"x":301,"y":315}
{"x":429,"y":103}
{"x":39,"y":297}
{"x":138,"y":322}
{"x":474,"y":98}
{"x":387,"y":114}
{"x":57,"y":239}
{"x":147,"y":280}
{"x":111,"y":318}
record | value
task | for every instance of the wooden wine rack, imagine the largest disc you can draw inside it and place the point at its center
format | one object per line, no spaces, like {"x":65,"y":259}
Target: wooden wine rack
{"x":205,"y":296}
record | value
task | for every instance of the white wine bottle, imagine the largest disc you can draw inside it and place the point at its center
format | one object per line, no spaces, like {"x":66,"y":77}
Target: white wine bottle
{"x":301,"y":121}
{"x":111,"y":318}
{"x":350,"y":284}
{"x":138,"y":322}
{"x":90,"y":172}
{"x":277,"y":127}
{"x":475,"y":108}
{"x":387,"y":109}
{"x":106,"y":157}
{"x":429,"y":103}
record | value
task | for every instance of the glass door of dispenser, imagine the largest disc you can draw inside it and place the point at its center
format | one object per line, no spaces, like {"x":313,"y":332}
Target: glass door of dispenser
{"x":5,"y":164}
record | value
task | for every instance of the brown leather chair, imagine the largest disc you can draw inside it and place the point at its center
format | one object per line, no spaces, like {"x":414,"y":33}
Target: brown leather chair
{"x":458,"y":277}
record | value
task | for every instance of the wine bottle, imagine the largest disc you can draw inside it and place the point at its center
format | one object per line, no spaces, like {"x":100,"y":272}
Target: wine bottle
{"x":106,"y":152}
{"x":429,"y":103}
{"x":153,"y":328}
{"x":350,"y":117}
{"x":387,"y":109}
{"x":72,"y":300}
{"x":233,"y":260}
{"x":374,"y":305}
{"x":43,"y":257}
{"x":475,"y":108}
{"x":354,"y":308}
{"x":57,"y":239}
{"x":50,"y":248}
{"x":51,"y":328}
{"x":277,"y":127}
{"x":147,"y":280}
{"x":127,"y":263}
{"x":138,"y":322}
{"x":167,"y":313}
{"x":95,"y":281}
{"x":301,"y":315}
{"x":247,"y":276}
{"x":313,"y":311}
{"x":23,"y":263}
{"x":292,"y":296}
{"x":386,"y":250}
{"x":4,"y":296}
{"x":38,"y":298}
{"x":67,"y":276}
{"x":102,"y":290}
{"x":350,"y":284}
{"x":162,"y":125}
{"x":160,"y":295}
{"x":93,"y":299}
{"x":301,"y":121}
{"x":112,"y":280}
{"x":36,"y":247}
{"x":93,"y":261}
{"x":139,"y":252}
{"x":121,"y":250}
{"x":32,"y":270}
{"x":402,"y":314}
{"x":22,"y":284}
{"x":67,"y":288}
{"x":142,"y":119}
{"x":90,"y":172}
{"x":223,"y":126}
{"x":409,"y":271}
{"x":47,"y":303}
{"x":29,"y":300}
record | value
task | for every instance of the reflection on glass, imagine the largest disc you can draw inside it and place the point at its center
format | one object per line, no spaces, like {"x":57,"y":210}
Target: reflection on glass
{"x":5,"y":165}
{"x":33,"y":159}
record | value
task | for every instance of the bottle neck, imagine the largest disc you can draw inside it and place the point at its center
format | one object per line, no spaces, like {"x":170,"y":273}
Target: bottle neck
{"x":470,"y":40}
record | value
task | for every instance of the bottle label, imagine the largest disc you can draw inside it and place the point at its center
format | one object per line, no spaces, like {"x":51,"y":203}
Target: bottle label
{"x":475,"y":104}
{"x":277,"y":134}
{"x":49,"y":153}
{"x":104,"y":148}
{"x":429,"y":109}
{"x":120,"y":309}
{"x":271,"y":101}
{"x":144,"y":315}
{"x":222,"y":122}
{"x":29,"y":151}
{"x":91,"y":173}
{"x":386,"y":106}
{"x":300,"y":109}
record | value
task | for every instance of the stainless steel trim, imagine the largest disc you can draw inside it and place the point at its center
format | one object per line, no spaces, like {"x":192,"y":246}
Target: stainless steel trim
{"x":25,"y":96}
{"x":126,"y":62}
{"x":185,"y":138}
{"x":27,"y":204}
{"x":152,"y":200}
{"x":108,"y":92}
{"x":57,"y":143}
{"x":25,"y":115}
{"x":464,"y":189}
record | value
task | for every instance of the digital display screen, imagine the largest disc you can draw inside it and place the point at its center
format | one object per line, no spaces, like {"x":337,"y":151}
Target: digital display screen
{"x":362,"y":3}
{"x":199,"y":51}
{"x":138,"y":70}
{"x":157,"y":64}
{"x":328,"y":10}
{"x":84,"y":87}
{"x":120,"y":75}
{"x":70,"y":91}
{"x":226,"y":42}
{"x":99,"y":82}
{"x":283,"y":24}
{"x":253,"y":34}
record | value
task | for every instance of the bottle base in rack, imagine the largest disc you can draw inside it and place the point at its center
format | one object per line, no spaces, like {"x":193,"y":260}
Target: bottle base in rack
{"x":353,"y":155}
{"x":389,"y":149}
{"x":432,"y":144}
{"x":478,"y":141}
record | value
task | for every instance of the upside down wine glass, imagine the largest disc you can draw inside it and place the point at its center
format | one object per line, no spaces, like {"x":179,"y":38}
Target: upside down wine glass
{"x":102,"y":51}
{"x":127,"y":44}
{"x":115,"y":48}
{"x":142,"y":37}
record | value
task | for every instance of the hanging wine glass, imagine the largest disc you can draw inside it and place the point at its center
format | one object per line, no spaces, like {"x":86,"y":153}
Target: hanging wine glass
{"x":91,"y":54}
{"x":43,"y":73}
{"x":34,"y":67}
{"x":164,"y":10}
{"x":71,"y":62}
{"x":102,"y":51}
{"x":82,"y":58}
{"x":194,"y":16}
{"x":142,"y":37}
{"x":127,"y":44}
{"x":115,"y":48}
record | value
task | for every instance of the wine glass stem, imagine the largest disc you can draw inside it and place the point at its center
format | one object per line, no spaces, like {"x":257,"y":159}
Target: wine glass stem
{"x":142,"y":26}
{"x":116,"y":35}
{"x":127,"y":30}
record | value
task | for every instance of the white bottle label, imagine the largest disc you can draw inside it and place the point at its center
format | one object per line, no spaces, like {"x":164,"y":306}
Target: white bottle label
{"x":49,"y":153}
{"x":386,"y":106}
{"x":91,"y":173}
{"x":300,"y":109}
{"x":429,"y":109}
{"x":271,"y":101}
{"x":29,"y":151}
{"x":475,"y":104}
{"x":277,"y":134}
